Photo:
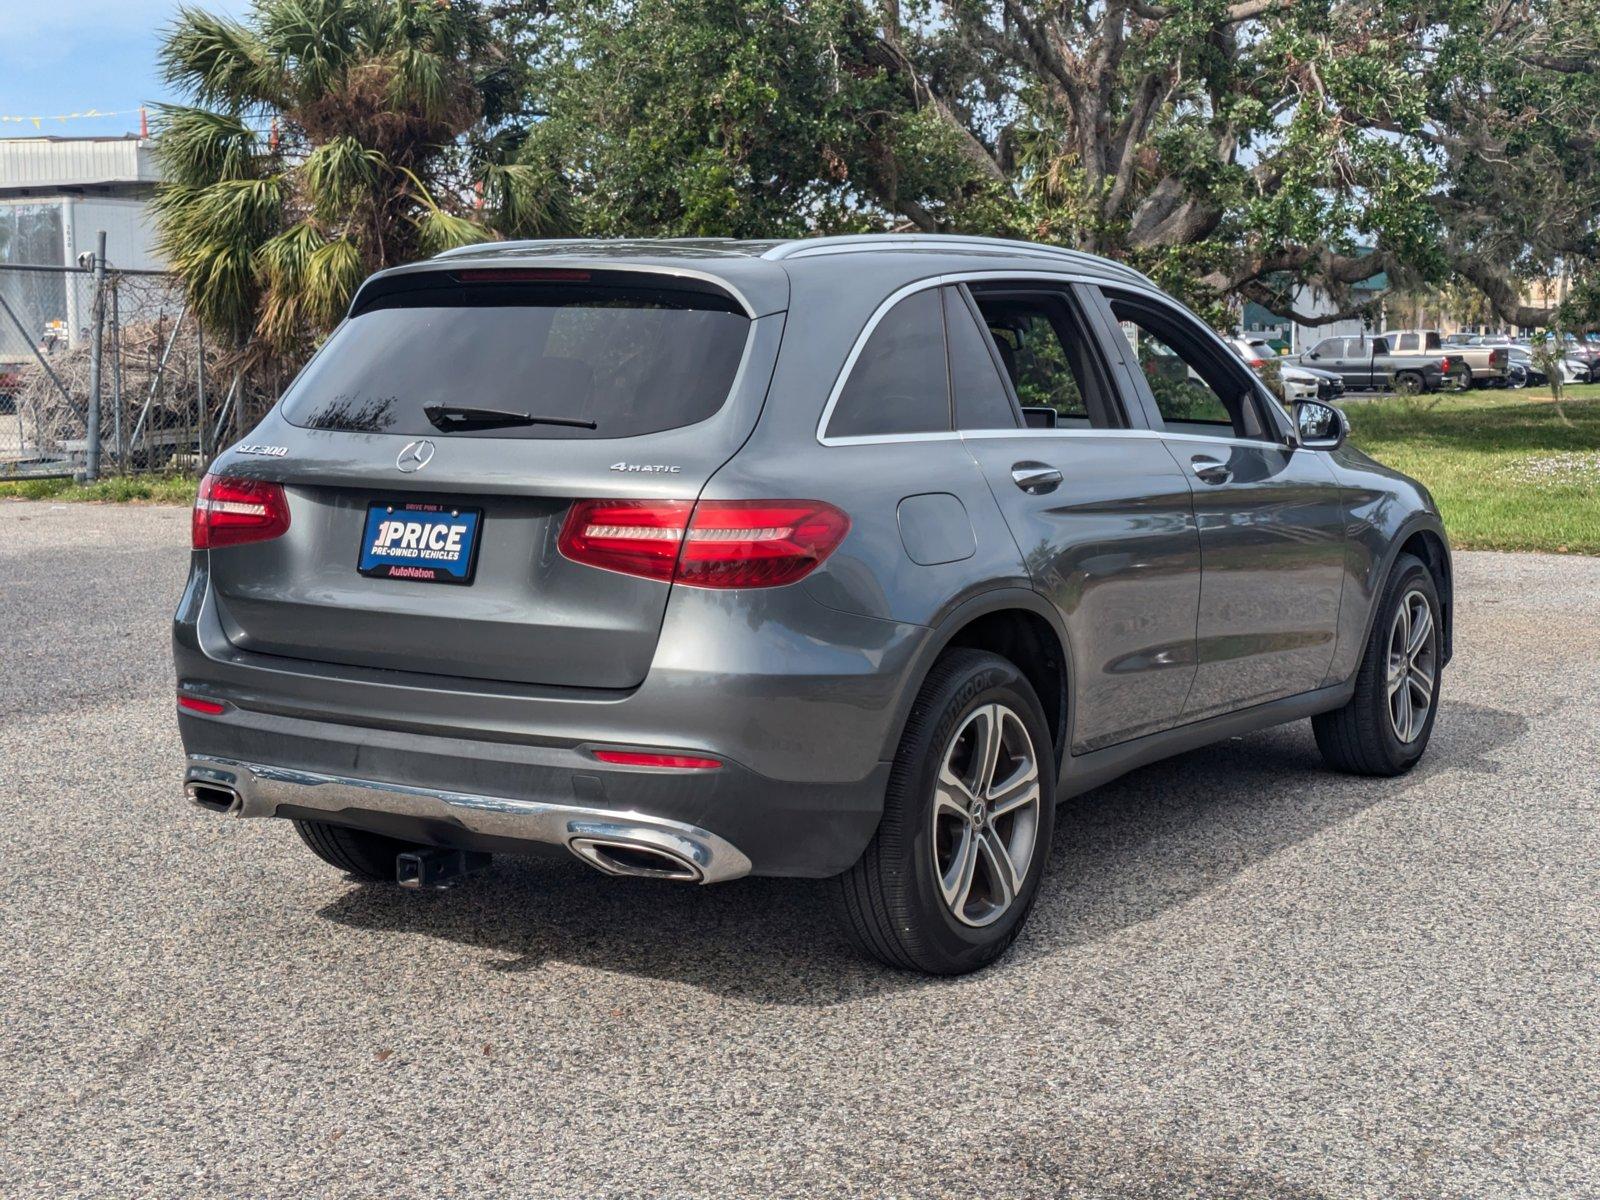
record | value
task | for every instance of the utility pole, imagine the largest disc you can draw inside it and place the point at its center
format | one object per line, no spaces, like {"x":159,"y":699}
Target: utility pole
{"x":91,"y":470}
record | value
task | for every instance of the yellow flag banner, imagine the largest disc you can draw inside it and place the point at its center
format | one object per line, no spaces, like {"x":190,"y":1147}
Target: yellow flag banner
{"x":38,"y":122}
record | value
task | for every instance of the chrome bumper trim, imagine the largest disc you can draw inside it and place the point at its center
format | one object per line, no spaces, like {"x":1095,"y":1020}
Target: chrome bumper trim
{"x":261,"y":789}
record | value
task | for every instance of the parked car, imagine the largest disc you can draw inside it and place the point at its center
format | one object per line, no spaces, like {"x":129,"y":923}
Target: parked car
{"x":1313,"y":384}
{"x":1586,"y":352}
{"x":1521,"y":370}
{"x":1472,"y":365}
{"x":1366,"y":364}
{"x":1574,"y":368}
{"x":1299,"y":383}
{"x":705,"y":559}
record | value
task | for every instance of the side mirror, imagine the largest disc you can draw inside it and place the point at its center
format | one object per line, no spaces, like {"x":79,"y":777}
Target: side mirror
{"x":1320,"y":426}
{"x":1038,"y":416}
{"x":1313,"y":354}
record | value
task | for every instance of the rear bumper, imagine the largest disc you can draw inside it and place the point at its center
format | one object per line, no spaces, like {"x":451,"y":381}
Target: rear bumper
{"x":257,"y":790}
{"x":527,"y":799}
{"x":799,"y":702}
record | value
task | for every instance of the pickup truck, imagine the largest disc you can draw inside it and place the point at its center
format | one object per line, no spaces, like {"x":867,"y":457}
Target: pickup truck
{"x":1470,"y":366}
{"x":1367,"y":364}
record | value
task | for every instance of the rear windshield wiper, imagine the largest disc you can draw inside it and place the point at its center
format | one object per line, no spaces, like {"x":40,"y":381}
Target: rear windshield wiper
{"x":451,"y":418}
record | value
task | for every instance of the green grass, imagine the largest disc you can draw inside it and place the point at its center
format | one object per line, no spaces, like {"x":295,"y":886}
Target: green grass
{"x":1507,"y":473}
{"x":148,"y":489}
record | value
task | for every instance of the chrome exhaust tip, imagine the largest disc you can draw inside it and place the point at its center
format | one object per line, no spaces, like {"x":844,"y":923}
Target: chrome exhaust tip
{"x":621,"y":855}
{"x":214,"y":797}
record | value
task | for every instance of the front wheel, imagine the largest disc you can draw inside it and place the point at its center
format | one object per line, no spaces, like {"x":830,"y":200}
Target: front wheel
{"x":1385,"y":726}
{"x":1460,"y":378}
{"x":950,"y":876}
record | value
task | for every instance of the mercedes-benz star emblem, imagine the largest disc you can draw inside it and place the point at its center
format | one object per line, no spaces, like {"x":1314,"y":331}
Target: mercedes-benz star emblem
{"x":415,"y":456}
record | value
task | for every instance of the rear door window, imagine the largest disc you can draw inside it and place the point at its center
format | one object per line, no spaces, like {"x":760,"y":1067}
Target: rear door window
{"x":632,"y":361}
{"x":981,"y":399}
{"x":1047,"y":355}
{"x":900,"y":382}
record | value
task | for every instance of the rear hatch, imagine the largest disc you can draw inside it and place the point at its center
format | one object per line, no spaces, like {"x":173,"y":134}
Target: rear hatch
{"x":670,"y":372}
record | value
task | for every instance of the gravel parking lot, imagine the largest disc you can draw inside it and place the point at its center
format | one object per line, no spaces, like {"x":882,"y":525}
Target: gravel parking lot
{"x":1246,"y":977}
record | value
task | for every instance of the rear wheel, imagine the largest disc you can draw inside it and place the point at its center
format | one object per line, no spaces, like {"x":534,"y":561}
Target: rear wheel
{"x":954,"y":868}
{"x":1408,"y":383}
{"x":1385,"y":727}
{"x":367,"y":856}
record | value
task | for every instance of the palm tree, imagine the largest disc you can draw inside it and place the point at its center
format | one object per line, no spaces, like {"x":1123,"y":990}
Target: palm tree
{"x":327,"y":139}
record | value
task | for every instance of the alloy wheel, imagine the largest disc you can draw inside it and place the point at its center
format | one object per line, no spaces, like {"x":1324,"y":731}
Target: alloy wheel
{"x":985,"y":815}
{"x":1412,"y":667}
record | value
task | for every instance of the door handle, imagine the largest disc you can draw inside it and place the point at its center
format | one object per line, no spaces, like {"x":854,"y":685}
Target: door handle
{"x":1035,"y":478}
{"x":1210,"y":470}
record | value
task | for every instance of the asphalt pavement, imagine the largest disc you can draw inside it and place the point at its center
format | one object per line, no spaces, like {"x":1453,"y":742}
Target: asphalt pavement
{"x":1245,"y":977}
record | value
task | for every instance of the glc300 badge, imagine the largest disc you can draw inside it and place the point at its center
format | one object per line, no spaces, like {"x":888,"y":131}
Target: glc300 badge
{"x":269,"y":451}
{"x":645,"y":467}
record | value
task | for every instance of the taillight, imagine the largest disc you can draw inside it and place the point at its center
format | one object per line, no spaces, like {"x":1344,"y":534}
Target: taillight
{"x":230,"y":512}
{"x":635,"y":537}
{"x":1255,"y":364}
{"x":712,"y":544}
{"x":1445,"y":364}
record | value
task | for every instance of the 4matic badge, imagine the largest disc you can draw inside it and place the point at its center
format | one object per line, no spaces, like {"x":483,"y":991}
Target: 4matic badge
{"x":645,"y":467}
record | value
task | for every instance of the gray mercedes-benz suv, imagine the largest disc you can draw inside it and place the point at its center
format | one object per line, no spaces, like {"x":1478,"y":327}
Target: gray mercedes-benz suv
{"x":844,"y":557}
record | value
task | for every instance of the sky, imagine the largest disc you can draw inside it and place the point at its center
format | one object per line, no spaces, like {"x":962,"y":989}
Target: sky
{"x":65,"y":56}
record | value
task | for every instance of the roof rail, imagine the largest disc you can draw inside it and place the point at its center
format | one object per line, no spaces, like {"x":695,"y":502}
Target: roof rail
{"x":845,"y":243}
{"x":549,"y":244}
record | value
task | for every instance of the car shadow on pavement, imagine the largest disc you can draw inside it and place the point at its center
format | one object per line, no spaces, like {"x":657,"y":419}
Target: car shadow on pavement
{"x":1174,"y":830}
{"x":1123,"y":854}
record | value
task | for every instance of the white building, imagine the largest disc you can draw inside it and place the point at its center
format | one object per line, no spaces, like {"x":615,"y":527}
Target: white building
{"x":56,"y":194}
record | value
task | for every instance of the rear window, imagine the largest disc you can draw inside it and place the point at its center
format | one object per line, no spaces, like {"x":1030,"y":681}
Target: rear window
{"x":900,"y":383}
{"x":632,"y":361}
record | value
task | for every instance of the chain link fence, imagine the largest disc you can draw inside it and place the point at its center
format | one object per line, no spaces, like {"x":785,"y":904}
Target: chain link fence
{"x":107,"y":372}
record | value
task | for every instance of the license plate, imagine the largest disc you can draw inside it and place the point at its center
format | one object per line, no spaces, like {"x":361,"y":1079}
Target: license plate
{"x":423,"y":543}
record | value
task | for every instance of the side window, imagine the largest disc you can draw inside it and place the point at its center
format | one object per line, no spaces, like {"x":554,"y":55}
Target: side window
{"x":1329,"y":348}
{"x":1408,"y":341}
{"x":900,"y":382}
{"x":1192,"y":382}
{"x":981,"y":400}
{"x":1047,"y":356}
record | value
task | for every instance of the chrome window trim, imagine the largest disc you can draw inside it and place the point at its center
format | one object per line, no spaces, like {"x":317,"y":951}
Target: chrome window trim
{"x":988,"y":434}
{"x":880,"y":439}
{"x":911,"y":289}
{"x":1159,"y":434}
{"x":1230,"y":440}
